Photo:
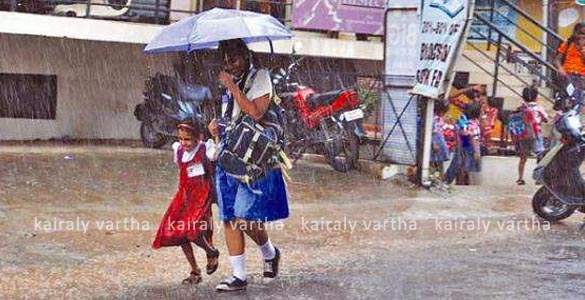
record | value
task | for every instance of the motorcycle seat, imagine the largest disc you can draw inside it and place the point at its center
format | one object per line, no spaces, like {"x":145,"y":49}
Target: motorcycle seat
{"x":316,"y":100}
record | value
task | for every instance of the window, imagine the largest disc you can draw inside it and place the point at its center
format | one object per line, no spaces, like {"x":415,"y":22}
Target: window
{"x":28,"y":96}
{"x":276,"y":8}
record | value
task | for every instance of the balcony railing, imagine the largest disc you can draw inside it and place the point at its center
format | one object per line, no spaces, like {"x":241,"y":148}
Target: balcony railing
{"x":144,"y":11}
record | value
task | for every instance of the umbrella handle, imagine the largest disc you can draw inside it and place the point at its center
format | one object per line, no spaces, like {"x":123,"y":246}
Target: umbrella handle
{"x":272,"y":56}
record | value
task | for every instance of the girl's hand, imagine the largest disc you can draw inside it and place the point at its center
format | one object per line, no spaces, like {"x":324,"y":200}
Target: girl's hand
{"x":225,"y":78}
{"x":476,"y":156}
{"x":563,"y":73}
{"x":213,"y":128}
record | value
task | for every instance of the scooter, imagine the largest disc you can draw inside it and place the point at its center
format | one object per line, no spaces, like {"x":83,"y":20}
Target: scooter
{"x":330,"y":123}
{"x":167,"y":101}
{"x":558,"y":170}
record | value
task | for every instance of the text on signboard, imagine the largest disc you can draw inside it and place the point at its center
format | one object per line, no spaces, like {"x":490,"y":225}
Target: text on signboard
{"x":429,"y":77}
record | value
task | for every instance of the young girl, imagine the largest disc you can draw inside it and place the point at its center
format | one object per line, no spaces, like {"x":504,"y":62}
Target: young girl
{"x":467,"y":158}
{"x":524,"y":147}
{"x":188,"y":217}
{"x":440,"y":151}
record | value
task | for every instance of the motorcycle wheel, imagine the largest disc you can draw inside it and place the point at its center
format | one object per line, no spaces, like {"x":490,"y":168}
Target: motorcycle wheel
{"x":548,"y":207}
{"x":151,"y":138}
{"x":343,"y":152}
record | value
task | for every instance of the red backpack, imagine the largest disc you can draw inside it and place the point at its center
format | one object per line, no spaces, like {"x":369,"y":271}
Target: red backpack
{"x":522,"y":124}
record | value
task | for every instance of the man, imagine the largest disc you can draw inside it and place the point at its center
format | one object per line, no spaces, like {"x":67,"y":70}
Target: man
{"x":245,"y":207}
{"x":570,"y":62}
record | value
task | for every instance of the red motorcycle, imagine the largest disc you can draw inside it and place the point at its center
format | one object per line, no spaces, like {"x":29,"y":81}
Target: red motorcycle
{"x":329,"y":123}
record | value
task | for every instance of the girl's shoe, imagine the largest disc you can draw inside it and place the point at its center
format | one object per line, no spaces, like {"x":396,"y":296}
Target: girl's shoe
{"x":194,"y":278}
{"x":212,"y":261}
{"x":232,"y":284}
{"x":271,"y":265}
{"x":520,"y":182}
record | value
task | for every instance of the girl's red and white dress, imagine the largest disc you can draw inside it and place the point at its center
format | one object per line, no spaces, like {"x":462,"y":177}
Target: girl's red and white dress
{"x":189,"y":214}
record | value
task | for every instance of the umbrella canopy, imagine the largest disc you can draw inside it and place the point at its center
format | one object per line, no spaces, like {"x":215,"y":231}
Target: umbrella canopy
{"x":205,"y":30}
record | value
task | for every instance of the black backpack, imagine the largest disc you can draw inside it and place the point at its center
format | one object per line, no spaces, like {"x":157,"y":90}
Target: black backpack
{"x":252,"y":148}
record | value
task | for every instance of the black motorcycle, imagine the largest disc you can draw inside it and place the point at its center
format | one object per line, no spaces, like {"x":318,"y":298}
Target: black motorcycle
{"x":558,"y":170}
{"x":167,"y":101}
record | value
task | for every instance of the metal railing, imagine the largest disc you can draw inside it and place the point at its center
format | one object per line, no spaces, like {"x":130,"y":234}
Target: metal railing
{"x":510,"y":50}
{"x":143,"y":11}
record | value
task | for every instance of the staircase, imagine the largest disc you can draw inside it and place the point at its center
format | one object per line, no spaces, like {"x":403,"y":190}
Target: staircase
{"x":504,"y":64}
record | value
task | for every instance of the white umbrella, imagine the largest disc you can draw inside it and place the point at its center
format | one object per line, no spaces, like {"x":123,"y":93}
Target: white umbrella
{"x":205,"y":30}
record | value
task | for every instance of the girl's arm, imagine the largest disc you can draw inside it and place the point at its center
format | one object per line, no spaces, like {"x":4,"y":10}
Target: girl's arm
{"x":465,"y":90}
{"x":255,"y":108}
{"x":562,"y":50}
{"x":543,"y":114}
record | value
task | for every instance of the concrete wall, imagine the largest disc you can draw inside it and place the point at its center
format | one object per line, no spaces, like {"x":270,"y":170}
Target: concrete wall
{"x":98,"y":85}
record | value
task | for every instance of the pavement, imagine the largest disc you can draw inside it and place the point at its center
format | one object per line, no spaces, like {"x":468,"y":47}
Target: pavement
{"x":77,"y":221}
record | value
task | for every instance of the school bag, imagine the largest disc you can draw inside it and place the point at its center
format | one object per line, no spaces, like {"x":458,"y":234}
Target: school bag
{"x":252,"y":148}
{"x":522,"y":124}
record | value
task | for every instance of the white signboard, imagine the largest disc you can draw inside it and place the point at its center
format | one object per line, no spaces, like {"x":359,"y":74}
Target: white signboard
{"x":401,"y":35}
{"x":441,"y":30}
{"x":399,"y":108}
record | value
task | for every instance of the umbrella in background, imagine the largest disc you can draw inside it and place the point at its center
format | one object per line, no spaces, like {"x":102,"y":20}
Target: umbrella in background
{"x":205,"y":30}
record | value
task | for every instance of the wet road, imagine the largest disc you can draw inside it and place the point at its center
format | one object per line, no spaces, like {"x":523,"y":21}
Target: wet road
{"x":76,"y":222}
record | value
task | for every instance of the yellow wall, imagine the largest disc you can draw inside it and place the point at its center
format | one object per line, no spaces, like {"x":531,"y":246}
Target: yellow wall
{"x":569,"y":4}
{"x":533,"y":8}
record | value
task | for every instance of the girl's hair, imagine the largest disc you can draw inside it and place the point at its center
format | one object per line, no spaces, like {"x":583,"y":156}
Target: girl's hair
{"x":529,"y":94}
{"x":473,"y":110}
{"x":576,"y":29}
{"x":233,"y":47}
{"x":190,"y":126}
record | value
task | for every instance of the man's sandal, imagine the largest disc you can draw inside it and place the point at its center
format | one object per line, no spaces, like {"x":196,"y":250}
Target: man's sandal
{"x":194,"y":278}
{"x":212,"y":261}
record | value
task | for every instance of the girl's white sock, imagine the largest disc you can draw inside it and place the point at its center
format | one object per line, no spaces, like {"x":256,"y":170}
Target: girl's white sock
{"x":267,"y":250}
{"x":239,"y":265}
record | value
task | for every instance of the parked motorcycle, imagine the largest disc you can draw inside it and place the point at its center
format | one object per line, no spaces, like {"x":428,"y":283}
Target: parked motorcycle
{"x":558,"y":169}
{"x":329,"y":123}
{"x":167,"y":101}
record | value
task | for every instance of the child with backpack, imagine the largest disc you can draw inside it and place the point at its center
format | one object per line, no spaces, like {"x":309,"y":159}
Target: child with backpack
{"x":467,"y":157}
{"x":524,"y":126}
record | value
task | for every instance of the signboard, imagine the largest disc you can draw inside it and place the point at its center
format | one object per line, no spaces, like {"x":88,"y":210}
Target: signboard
{"x":399,"y":109}
{"x":357,"y":16}
{"x":441,"y":28}
{"x":400,"y":42}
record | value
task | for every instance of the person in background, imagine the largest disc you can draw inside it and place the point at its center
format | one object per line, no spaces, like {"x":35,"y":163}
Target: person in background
{"x":440,"y":151}
{"x":538,"y":116}
{"x":569,"y":61}
{"x":489,"y":115}
{"x":467,"y":156}
{"x":460,"y":99}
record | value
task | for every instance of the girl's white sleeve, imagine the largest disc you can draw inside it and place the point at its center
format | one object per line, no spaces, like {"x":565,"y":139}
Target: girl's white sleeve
{"x":175,"y":152}
{"x":210,"y":149}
